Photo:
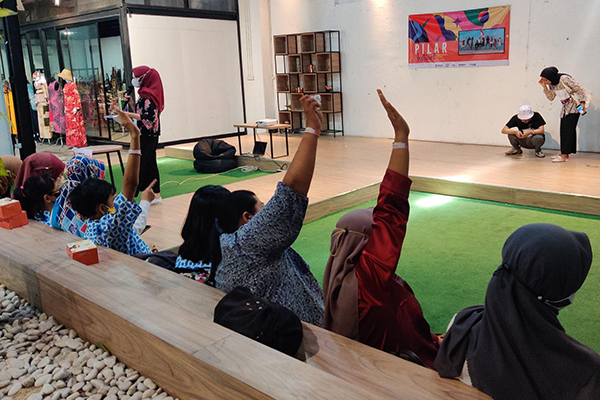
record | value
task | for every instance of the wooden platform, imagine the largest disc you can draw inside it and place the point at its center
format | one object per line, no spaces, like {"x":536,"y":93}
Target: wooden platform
{"x":349,"y":170}
{"x":160,"y":323}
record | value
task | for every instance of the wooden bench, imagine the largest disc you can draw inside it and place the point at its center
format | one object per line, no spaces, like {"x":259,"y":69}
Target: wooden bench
{"x":160,"y":323}
{"x":104,"y":149}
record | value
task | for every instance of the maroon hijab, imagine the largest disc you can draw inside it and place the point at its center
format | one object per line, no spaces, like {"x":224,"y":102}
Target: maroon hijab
{"x":151,"y":86}
{"x":39,"y":164}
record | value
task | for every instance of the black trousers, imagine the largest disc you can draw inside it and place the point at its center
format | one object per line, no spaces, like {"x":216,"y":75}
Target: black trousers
{"x":148,"y":165}
{"x":568,"y":133}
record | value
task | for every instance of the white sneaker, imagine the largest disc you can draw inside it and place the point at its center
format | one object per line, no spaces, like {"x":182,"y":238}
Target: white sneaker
{"x":559,"y":159}
{"x":157,"y":200}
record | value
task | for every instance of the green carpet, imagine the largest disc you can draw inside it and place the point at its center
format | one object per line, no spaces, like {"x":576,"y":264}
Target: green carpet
{"x":452,"y":249}
{"x":174,"y":171}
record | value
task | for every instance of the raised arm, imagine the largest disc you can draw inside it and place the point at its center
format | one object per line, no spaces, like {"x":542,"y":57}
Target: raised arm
{"x":300,"y":172}
{"x":132,"y":170}
{"x":378,"y":263}
{"x":399,"y":159}
{"x":550,"y":94}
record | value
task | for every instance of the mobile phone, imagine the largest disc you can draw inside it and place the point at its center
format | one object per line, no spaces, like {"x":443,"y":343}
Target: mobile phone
{"x":581,"y":110}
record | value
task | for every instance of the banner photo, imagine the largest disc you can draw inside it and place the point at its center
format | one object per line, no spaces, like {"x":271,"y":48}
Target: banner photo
{"x":469,"y":38}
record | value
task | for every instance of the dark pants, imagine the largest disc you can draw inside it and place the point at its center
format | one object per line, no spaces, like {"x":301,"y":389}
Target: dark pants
{"x":568,"y":133}
{"x":148,"y":166}
{"x":531,"y":142}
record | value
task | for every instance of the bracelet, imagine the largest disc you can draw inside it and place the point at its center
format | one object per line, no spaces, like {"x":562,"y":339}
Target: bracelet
{"x":312,"y":131}
{"x":135,"y":152}
{"x":400,"y":145}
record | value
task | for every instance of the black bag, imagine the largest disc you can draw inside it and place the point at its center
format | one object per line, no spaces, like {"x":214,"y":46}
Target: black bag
{"x":164,"y":259}
{"x":214,"y":156}
{"x":267,"y":323}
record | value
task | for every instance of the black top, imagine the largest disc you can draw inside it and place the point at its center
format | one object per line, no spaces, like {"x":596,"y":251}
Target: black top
{"x":536,"y":122}
{"x":149,"y":125}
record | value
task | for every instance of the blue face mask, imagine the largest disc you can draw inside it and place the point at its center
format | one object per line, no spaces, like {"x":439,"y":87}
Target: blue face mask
{"x":559,"y":304}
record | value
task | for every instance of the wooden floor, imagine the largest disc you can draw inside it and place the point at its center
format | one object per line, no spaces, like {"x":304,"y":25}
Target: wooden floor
{"x":350,"y":168}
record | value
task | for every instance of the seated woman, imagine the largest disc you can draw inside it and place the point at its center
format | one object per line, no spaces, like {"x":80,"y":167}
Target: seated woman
{"x":255,"y":247}
{"x":198,"y":232}
{"x":514,"y":346}
{"x":40,"y":164}
{"x":110,"y":217}
{"x":364,"y":298}
{"x":78,"y":169}
{"x":37,"y":196}
{"x":11,"y":165}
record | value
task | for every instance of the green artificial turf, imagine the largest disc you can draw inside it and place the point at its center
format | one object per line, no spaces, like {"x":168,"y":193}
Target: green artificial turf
{"x":451,"y":251}
{"x":174,"y":171}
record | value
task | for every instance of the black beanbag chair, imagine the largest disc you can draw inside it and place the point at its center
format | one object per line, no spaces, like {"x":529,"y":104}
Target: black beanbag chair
{"x":212,"y":156}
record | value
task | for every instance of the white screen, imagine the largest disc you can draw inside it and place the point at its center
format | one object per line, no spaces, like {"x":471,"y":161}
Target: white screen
{"x":198,"y":60}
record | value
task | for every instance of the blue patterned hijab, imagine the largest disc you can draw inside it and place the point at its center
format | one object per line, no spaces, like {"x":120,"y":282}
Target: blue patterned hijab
{"x":78,"y":169}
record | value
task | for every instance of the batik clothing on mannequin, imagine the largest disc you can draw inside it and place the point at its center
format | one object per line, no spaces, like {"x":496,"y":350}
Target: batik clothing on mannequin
{"x":41,"y":103}
{"x":57,"y":107}
{"x":75,"y":130}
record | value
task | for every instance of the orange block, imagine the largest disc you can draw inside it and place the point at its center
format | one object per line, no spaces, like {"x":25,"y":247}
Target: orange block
{"x":15,"y":222}
{"x":9,"y":208}
{"x":84,"y":251}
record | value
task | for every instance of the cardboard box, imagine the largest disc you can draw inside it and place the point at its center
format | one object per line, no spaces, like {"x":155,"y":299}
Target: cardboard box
{"x":9,"y":208}
{"x":84,"y":251}
{"x":15,"y":222}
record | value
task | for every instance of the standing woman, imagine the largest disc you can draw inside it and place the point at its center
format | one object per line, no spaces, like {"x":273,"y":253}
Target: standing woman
{"x":572,"y":95}
{"x":150,"y":106}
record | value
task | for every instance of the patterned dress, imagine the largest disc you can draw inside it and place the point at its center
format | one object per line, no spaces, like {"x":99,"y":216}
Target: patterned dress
{"x":43,"y":111}
{"x":115,"y":231}
{"x":258,"y":256}
{"x":57,"y":107}
{"x":74,"y":122}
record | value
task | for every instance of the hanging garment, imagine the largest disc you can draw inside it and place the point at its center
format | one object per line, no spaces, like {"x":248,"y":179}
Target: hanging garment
{"x":75,"y":129}
{"x":57,"y":107}
{"x":43,"y":111}
{"x":10,"y":110}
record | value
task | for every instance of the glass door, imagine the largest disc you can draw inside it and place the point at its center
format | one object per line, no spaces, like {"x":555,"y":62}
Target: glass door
{"x":53,"y":50}
{"x":84,"y":50}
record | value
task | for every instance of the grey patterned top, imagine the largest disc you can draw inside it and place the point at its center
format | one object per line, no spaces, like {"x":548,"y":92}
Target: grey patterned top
{"x":258,"y":256}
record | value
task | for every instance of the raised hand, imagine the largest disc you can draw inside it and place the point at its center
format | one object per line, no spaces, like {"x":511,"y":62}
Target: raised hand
{"x":127,"y":122}
{"x":401,"y":128}
{"x":312,"y":109}
{"x":148,"y":194}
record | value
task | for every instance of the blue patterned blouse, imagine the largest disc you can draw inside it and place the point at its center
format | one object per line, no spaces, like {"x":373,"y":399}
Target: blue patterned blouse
{"x":258,"y":256}
{"x":115,"y":231}
{"x":184,"y":264}
{"x":44,"y":217}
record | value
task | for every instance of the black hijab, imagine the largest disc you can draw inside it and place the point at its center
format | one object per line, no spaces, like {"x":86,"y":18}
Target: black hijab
{"x":552,"y":74}
{"x":514,"y":345}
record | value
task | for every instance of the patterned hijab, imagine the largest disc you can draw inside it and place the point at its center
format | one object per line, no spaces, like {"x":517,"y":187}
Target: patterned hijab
{"x":39,"y":164}
{"x":514,"y":345}
{"x":151,"y":86}
{"x":340,"y":287}
{"x":78,"y":169}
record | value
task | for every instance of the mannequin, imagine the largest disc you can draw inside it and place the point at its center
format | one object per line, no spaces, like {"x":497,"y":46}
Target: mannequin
{"x":75,"y":129}
{"x":41,"y":103}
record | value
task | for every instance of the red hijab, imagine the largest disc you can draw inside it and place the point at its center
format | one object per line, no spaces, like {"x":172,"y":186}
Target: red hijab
{"x":39,"y":164}
{"x":151,"y":86}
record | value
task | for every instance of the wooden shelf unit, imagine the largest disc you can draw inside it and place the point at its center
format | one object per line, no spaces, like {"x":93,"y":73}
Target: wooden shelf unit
{"x":309,"y":63}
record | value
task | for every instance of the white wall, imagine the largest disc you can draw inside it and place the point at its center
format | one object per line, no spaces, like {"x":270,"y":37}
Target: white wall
{"x":257,"y":58}
{"x":198,"y":60}
{"x":465,"y":105}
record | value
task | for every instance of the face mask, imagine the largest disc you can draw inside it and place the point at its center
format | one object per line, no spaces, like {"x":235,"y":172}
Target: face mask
{"x":559,"y":304}
{"x":135,"y":82}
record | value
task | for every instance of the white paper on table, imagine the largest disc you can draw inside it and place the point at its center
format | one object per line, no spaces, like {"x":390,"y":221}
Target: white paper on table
{"x":83,"y":152}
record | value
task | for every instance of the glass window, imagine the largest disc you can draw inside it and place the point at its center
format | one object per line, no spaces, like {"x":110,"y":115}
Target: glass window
{"x":63,"y":36}
{"x":26,"y":59}
{"x":52,"y":49}
{"x":158,"y":3}
{"x":36,"y":50}
{"x":213,"y":5}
